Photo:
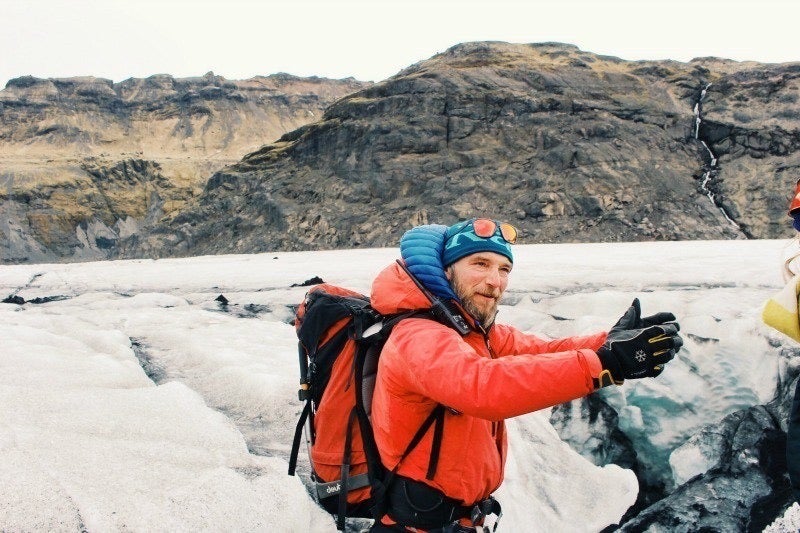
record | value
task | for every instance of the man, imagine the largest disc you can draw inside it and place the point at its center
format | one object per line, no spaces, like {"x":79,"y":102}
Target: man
{"x":466,"y":383}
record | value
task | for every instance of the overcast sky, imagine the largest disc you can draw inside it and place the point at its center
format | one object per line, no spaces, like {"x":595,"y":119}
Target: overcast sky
{"x":369,"y":40}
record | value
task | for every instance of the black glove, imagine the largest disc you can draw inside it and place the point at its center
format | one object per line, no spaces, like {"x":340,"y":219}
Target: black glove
{"x":636,"y":352}
{"x":632,"y":319}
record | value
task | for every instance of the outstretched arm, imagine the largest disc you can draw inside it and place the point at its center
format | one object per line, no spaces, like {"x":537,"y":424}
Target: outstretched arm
{"x":435,"y":362}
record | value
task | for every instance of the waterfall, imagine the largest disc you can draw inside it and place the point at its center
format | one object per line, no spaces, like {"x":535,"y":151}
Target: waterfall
{"x":712,"y":166}
{"x":697,"y":120}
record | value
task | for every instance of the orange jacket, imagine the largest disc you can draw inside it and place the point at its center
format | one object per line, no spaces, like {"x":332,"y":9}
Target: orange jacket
{"x":425,"y":363}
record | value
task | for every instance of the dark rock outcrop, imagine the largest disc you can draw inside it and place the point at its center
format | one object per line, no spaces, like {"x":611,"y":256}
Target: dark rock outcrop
{"x":747,"y":488}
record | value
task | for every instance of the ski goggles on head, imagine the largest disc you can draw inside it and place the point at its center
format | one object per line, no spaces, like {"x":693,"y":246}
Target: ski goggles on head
{"x":486,"y":227}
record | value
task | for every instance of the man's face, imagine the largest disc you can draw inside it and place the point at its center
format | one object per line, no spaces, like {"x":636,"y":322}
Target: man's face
{"x":479,"y":280}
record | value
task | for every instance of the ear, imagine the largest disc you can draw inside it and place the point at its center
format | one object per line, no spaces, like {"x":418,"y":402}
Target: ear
{"x":448,"y":273}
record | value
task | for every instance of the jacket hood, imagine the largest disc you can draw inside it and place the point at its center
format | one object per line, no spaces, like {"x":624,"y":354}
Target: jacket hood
{"x":393,"y":291}
{"x":421,"y":248}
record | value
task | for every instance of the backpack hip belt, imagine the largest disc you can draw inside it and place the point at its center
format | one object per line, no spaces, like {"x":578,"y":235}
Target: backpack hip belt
{"x":414,"y":504}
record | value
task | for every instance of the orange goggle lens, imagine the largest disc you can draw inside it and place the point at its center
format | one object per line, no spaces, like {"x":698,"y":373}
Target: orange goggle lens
{"x":485,"y":228}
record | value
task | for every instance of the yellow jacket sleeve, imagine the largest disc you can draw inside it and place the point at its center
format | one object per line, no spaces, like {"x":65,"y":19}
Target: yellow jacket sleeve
{"x":781,"y":312}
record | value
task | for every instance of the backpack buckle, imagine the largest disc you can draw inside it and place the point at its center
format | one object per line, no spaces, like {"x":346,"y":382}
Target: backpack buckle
{"x":304,"y":393}
{"x":484,"y":508}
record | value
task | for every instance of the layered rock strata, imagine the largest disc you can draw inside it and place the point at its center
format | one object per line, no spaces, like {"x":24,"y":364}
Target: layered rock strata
{"x":85,"y":162}
{"x":568,"y":145}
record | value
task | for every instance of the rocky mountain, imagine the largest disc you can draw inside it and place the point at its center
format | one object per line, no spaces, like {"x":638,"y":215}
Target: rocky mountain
{"x":568,"y":145}
{"x":85,"y":162}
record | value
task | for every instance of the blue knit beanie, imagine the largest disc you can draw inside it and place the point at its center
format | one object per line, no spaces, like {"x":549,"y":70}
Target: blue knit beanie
{"x":461,"y":241}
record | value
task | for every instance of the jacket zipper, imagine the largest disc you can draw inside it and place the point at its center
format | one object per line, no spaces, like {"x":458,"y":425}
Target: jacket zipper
{"x":492,"y":356}
{"x":495,"y":425}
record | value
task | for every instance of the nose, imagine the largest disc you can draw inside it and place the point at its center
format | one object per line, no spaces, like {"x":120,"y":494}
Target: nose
{"x":494,"y":278}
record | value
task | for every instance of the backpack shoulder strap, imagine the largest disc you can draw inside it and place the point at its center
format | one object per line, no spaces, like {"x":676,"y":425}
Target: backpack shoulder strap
{"x":435,"y":417}
{"x":298,"y":434}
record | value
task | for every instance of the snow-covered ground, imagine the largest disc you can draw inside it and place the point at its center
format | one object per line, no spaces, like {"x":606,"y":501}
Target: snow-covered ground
{"x":200,"y":441}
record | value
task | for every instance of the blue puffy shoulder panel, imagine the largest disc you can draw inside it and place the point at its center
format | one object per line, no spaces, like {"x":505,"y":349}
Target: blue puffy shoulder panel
{"x":421,"y":248}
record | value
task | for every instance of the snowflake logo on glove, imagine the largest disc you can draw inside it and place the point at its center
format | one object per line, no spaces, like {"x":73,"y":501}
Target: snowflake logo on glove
{"x":641,"y":356}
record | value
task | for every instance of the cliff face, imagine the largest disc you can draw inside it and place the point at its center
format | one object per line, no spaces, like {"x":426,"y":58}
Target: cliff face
{"x":85,"y":162}
{"x":752,"y":126}
{"x":568,"y":145}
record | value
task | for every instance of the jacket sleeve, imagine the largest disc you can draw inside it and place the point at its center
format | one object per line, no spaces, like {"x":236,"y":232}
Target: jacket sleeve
{"x":433,"y":361}
{"x":508,"y":340}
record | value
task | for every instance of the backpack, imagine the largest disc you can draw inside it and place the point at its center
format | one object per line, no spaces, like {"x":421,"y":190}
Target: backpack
{"x":340,"y":337}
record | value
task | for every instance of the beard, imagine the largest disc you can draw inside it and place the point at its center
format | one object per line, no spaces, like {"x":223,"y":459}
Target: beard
{"x":485,"y":311}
